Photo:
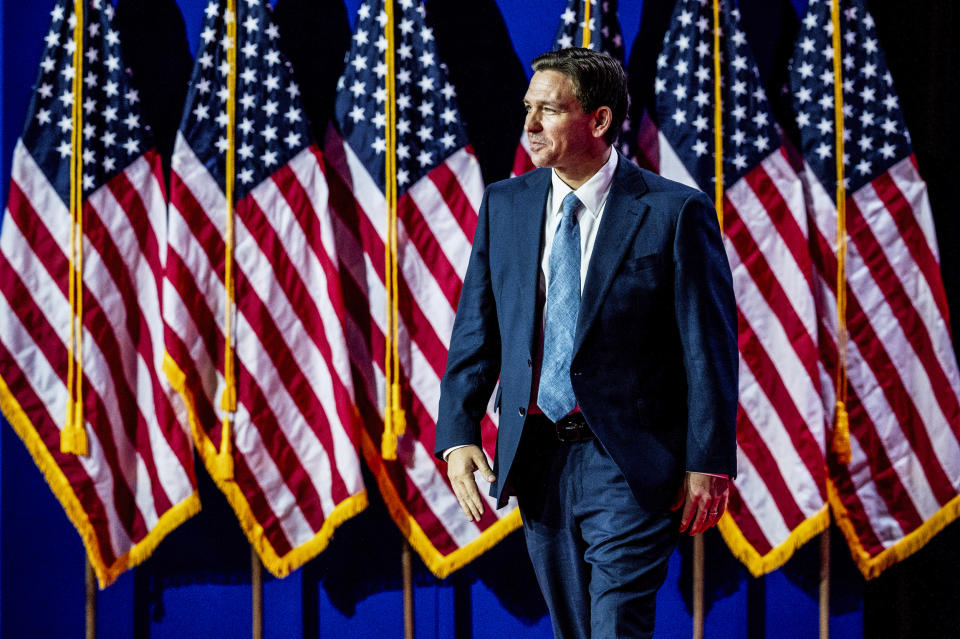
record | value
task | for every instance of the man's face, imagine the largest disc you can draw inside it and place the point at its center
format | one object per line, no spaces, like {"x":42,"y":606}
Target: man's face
{"x":560,"y":133}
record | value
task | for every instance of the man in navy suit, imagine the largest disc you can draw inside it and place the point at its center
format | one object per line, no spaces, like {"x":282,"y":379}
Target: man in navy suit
{"x":600,"y":296}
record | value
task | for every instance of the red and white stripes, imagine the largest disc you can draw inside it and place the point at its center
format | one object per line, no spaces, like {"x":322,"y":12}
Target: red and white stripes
{"x":137,"y":483}
{"x":437,"y":217}
{"x":297,"y":470}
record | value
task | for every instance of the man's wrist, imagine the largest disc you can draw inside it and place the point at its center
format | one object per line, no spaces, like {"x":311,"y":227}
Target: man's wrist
{"x":445,"y":454}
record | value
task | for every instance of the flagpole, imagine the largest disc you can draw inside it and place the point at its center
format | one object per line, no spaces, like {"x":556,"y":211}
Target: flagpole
{"x":406,"y":566}
{"x":256,"y":588}
{"x":698,"y":579}
{"x":825,"y":584}
{"x":91,"y":595}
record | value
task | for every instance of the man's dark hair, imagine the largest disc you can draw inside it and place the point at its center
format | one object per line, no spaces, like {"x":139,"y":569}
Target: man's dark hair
{"x":598,"y":80}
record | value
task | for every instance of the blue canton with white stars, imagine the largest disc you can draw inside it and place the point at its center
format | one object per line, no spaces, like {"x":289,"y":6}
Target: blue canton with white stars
{"x":270,"y":124}
{"x":114,"y":134}
{"x":428,"y":122}
{"x":684,"y":90}
{"x":604,"y":32}
{"x":874,"y":134}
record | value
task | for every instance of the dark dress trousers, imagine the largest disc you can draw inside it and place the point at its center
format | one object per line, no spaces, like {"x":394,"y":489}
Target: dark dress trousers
{"x":654,"y":365}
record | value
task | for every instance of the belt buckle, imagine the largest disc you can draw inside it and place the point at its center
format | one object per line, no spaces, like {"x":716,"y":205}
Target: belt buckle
{"x":569,"y":429}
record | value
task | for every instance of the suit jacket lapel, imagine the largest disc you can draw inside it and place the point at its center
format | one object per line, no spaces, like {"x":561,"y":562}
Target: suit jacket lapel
{"x":529,"y":206}
{"x":622,"y":216}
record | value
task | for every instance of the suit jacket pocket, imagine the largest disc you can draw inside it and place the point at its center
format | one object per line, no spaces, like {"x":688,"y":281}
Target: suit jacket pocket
{"x":642,"y":262}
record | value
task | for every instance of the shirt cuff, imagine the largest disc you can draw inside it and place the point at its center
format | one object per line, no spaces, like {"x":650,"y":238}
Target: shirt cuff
{"x":447,"y":452}
{"x":688,"y":472}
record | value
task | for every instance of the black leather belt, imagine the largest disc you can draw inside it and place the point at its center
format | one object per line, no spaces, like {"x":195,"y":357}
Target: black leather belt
{"x":570,"y":429}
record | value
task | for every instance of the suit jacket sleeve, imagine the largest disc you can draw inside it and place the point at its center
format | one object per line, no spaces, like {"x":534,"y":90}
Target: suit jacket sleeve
{"x":706,"y":315}
{"x":473,"y":361}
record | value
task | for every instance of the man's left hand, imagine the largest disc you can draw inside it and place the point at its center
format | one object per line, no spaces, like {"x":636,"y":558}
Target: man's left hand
{"x":704,"y":499}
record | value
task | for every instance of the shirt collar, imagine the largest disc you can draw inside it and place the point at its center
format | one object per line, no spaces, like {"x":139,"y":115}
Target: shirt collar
{"x":592,"y":193}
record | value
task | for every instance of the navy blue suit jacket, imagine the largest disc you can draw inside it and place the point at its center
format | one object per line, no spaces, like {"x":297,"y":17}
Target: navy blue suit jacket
{"x":655,"y":359}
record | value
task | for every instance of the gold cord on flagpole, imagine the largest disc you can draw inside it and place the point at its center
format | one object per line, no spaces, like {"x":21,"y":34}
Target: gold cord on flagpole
{"x":73,"y":438}
{"x":394,"y":419}
{"x":586,"y":24}
{"x":228,"y":402}
{"x":717,"y":117}
{"x":841,"y":434}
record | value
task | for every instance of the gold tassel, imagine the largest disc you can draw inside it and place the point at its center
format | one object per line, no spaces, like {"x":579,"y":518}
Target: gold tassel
{"x":223,"y":464}
{"x":841,"y":436}
{"x":73,"y":437}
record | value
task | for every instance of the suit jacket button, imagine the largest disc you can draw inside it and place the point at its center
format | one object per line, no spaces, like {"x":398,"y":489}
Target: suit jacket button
{"x":522,"y":411}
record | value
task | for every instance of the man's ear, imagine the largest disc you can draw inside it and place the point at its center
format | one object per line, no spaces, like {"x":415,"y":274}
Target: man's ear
{"x":602,"y":120}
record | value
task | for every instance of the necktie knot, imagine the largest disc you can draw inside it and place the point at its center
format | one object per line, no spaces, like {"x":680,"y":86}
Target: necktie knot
{"x":568,"y":207}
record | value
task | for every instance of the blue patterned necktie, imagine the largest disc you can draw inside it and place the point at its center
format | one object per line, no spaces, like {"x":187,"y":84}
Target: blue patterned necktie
{"x":555,"y":396}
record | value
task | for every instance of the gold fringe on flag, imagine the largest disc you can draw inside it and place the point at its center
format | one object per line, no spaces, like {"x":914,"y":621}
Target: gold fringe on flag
{"x":840,"y":443}
{"x":73,"y":437}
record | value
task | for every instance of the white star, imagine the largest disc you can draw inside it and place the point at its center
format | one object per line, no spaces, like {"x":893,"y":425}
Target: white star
{"x":203,"y":86}
{"x":870,"y":45}
{"x":110,"y":113}
{"x":890,"y":102}
{"x":251,"y":24}
{"x":866,"y":143}
{"x":405,"y":51}
{"x":889,"y":126}
{"x":272,"y":83}
{"x":702,"y":98}
{"x":43,"y":116}
{"x":208,"y":35}
{"x":825,"y":126}
{"x":292,"y":115}
{"x":680,"y":92}
{"x":681,"y":67}
{"x":272,"y":57}
{"x":403,"y":76}
{"x":703,"y":49}
{"x":887,"y":150}
{"x":273,"y":32}
{"x":403,"y":151}
{"x":249,"y":49}
{"x":449,"y":116}
{"x":683,"y":43}
{"x":379,"y":119}
{"x":361,"y":37}
{"x":131,"y":146}
{"x":223,"y":144}
{"x":132,"y":121}
{"x":359,"y":63}
{"x":739,"y":63}
{"x":205,"y":60}
{"x":269,"y":133}
{"x":67,"y":98}
{"x":703,"y":74}
{"x":803,"y":119}
{"x":403,"y":176}
{"x":57,"y":14}
{"x":356,"y":114}
{"x":866,"y":119}
{"x":568,"y":16}
{"x":246,"y":126}
{"x":404,"y":101}
{"x":92,"y":55}
{"x":222,"y":119}
{"x":762,"y":143}
{"x":292,"y":140}
{"x":662,"y":61}
{"x":269,"y":158}
{"x":868,"y":94}
{"x":270,"y":108}
{"x":424,"y":157}
{"x":48,"y":64}
{"x":740,"y":161}
{"x":65,"y":124}
{"x":700,"y":148}
{"x":246,"y":175}
{"x":739,"y":87}
{"x":679,"y":117}
{"x":65,"y":149}
{"x":113,"y":38}
{"x":686,"y":18}
{"x":211,"y":10}
{"x":109,"y":164}
{"x":406,"y":26}
{"x":824,"y":151}
{"x":425,"y":84}
{"x":701,"y":123}
{"x":403,"y":127}
{"x":67,"y":72}
{"x":424,"y":133}
{"x":426,"y":59}
{"x":848,"y":62}
{"x":760,"y":119}
{"x":247,"y":101}
{"x":448,"y":140}
{"x":52,"y":39}
{"x":738,"y":137}
{"x":759,"y":94}
{"x":804,"y":95}
{"x":293,"y":90}
{"x":739,"y":112}
{"x":827,"y":76}
{"x":379,"y":145}
{"x":245,"y":151}
{"x":89,"y":157}
{"x":87,"y":181}
{"x":659,"y":85}
{"x":864,"y":167}
{"x":426,"y":34}
{"x":202,"y":112}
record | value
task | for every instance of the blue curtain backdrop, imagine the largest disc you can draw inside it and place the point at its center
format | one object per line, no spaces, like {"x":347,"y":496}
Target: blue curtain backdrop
{"x":197,"y":583}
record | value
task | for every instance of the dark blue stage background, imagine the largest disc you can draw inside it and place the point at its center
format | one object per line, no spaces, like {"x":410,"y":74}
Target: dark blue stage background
{"x":197,"y":583}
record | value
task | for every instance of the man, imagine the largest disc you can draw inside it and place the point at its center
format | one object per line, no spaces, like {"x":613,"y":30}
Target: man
{"x":599,"y":294}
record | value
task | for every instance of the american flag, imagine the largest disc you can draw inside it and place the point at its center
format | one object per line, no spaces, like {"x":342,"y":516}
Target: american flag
{"x":136,"y":482}
{"x":439,"y":188}
{"x":901,"y":485}
{"x":603,"y":34}
{"x":293,"y":437}
{"x":778,"y":500}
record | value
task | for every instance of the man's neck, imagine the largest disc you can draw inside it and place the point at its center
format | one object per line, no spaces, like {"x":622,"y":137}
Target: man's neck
{"x":578,"y":175}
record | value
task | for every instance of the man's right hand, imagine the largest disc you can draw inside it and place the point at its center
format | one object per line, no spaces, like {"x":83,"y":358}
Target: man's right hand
{"x":462,"y":463}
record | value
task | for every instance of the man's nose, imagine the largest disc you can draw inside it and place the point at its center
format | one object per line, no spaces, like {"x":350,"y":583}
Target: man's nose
{"x":533,"y":121}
